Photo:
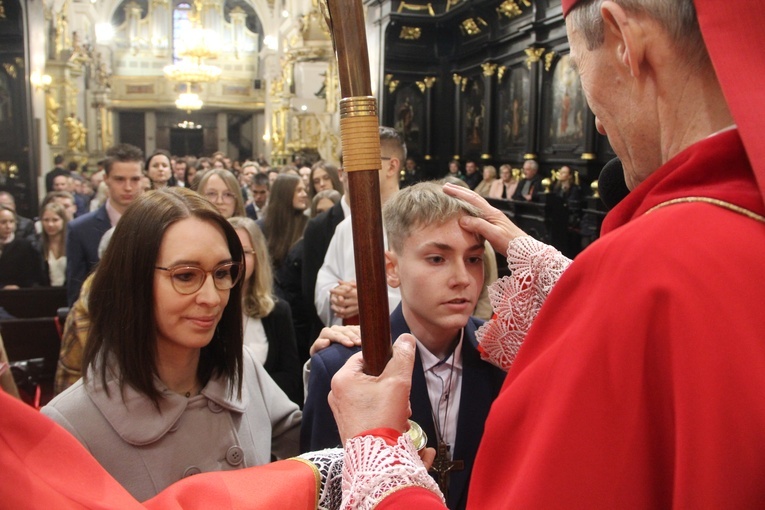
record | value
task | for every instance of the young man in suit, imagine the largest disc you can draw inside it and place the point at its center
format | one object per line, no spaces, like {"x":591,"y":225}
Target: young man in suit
{"x":438,"y":267}
{"x":124,"y":168}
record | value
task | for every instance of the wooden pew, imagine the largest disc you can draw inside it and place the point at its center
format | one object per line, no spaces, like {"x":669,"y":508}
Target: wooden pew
{"x":33,"y":302}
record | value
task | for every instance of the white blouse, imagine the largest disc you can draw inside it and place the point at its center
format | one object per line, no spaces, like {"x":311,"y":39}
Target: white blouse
{"x":255,"y":338}
{"x":56,"y":269}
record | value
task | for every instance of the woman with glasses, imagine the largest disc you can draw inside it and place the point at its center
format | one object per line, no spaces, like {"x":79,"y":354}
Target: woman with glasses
{"x":220,"y":187}
{"x":168,"y":389}
{"x":267,"y":320}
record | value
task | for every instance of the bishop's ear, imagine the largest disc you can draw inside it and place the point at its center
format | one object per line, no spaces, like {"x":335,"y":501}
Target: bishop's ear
{"x":391,"y":269}
{"x":626,"y":33}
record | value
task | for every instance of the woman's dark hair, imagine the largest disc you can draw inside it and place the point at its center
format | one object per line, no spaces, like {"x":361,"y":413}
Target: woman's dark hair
{"x":333,"y":175}
{"x":283,"y":225}
{"x":122,"y":322}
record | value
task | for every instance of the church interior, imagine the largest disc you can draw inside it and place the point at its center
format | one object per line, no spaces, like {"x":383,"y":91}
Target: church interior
{"x":481,"y":80}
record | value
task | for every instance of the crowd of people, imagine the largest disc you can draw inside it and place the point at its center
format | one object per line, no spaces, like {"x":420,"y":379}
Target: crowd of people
{"x":625,"y":378}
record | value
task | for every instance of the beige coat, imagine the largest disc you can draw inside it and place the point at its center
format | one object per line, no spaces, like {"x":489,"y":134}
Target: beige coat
{"x":146,"y":450}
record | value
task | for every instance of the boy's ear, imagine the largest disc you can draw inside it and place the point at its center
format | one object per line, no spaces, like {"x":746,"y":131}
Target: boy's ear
{"x":391,"y":269}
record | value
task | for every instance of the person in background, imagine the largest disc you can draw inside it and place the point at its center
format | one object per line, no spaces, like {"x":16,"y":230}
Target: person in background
{"x":20,"y":263}
{"x":25,"y":227}
{"x":489,"y":176}
{"x":472,"y":176}
{"x":176,"y":374}
{"x":411,"y":173}
{"x":180,"y":168}
{"x":190,"y":176}
{"x":158,"y":169}
{"x":58,"y":169}
{"x":124,"y":169}
{"x":323,"y":176}
{"x":285,"y":219}
{"x":268,"y":327}
{"x":221,"y":188}
{"x":260,"y":190}
{"x":454,"y":170}
{"x":305,"y":174}
{"x":530,"y":186}
{"x":505,"y":186}
{"x":52,"y":243}
{"x":323,"y":201}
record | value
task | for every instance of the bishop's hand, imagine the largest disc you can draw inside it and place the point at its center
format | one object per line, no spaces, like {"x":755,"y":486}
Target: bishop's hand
{"x":361,"y":402}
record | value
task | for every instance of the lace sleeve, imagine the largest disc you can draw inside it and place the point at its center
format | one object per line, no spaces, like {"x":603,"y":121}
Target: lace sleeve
{"x":373,"y":469}
{"x":516,"y":299}
{"x":329,"y":464}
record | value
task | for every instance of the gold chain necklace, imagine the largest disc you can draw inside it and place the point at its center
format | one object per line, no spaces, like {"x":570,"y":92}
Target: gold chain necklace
{"x":720,"y":203}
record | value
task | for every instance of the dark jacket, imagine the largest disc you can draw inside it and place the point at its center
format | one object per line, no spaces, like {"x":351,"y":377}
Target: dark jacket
{"x":82,"y":239}
{"x":481,"y":383}
{"x":282,"y":361}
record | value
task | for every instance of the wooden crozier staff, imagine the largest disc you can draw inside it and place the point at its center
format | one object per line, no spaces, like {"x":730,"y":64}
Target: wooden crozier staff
{"x":361,"y":160}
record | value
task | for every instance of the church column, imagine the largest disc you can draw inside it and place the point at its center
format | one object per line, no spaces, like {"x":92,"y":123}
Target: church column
{"x":460,"y":82}
{"x":427,"y":144}
{"x":150,"y":124}
{"x":489,"y":70}
{"x":221,"y":120}
{"x":533,"y":62}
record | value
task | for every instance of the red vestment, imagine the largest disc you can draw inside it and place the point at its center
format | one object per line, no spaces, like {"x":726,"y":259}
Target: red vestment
{"x":640,"y":383}
{"x":43,"y":466}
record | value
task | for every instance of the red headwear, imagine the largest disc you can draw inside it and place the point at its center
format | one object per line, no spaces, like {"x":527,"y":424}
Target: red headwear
{"x":734,"y":36}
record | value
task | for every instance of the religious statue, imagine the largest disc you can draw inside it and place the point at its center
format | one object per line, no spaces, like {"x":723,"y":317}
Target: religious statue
{"x":77,"y":134}
{"x":52,"y":108}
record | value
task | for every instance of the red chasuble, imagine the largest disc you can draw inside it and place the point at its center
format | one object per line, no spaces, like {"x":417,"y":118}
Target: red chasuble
{"x":42,"y":466}
{"x":641,"y":382}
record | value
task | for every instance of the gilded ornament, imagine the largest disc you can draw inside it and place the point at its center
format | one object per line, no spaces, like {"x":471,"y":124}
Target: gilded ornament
{"x":52,"y":107}
{"x":410,"y":33}
{"x":416,"y":8}
{"x":533,"y":55}
{"x":421,"y":86}
{"x":429,"y":81}
{"x":501,"y":70}
{"x":470,"y":26}
{"x":392,"y":86}
{"x":489,"y":69}
{"x":457,"y":78}
{"x":549,"y":57}
{"x":510,"y":9}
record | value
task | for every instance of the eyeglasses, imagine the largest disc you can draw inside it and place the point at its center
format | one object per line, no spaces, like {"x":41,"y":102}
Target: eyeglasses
{"x":189,"y":279}
{"x":226,"y":196}
{"x":249,"y":252}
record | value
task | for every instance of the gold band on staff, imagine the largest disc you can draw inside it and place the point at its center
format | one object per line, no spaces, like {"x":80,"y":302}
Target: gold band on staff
{"x":360,"y":134}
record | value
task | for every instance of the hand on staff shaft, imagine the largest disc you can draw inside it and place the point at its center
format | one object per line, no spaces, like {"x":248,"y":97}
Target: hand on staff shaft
{"x":348,"y":336}
{"x":495,"y":227}
{"x":361,"y":402}
{"x":344,"y":299}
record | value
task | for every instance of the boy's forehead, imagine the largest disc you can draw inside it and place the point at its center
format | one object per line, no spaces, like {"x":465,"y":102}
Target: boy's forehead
{"x":422,"y":233}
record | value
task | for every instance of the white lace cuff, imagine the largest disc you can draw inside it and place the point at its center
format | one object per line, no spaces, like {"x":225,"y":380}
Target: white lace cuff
{"x":373,"y":469}
{"x":329,"y":464}
{"x":516,"y":299}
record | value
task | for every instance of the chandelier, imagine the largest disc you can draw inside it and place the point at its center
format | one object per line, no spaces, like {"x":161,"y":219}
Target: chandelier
{"x":192,"y":71}
{"x":199,"y":44}
{"x":188,"y":101}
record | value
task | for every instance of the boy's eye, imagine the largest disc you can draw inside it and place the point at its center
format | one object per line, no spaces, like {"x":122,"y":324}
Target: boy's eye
{"x":435,"y":259}
{"x":476,"y":260}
